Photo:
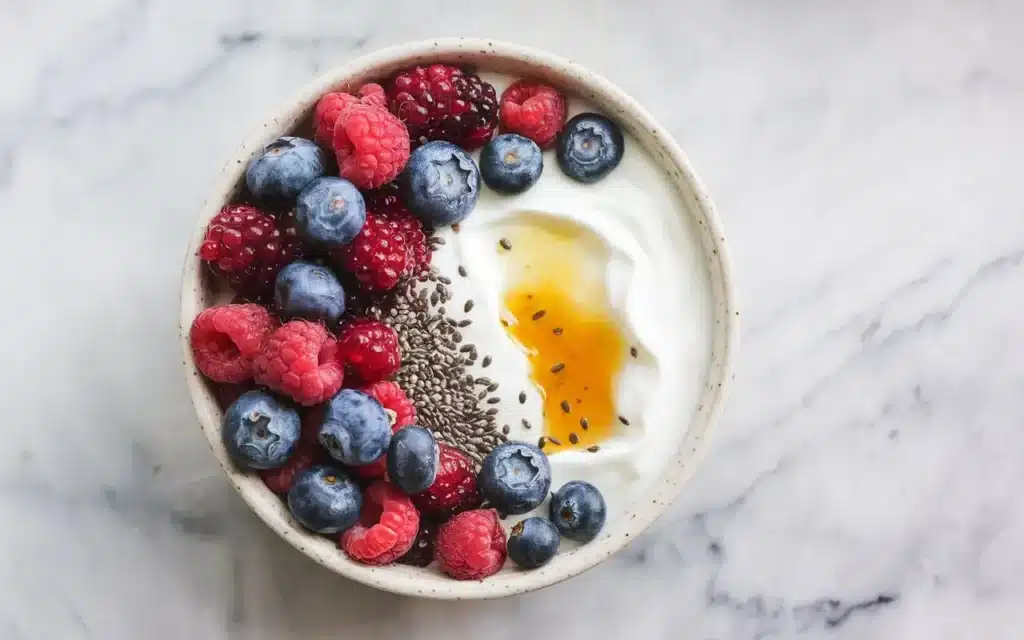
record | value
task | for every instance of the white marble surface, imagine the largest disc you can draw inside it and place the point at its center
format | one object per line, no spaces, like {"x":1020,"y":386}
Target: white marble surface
{"x":866,"y":480}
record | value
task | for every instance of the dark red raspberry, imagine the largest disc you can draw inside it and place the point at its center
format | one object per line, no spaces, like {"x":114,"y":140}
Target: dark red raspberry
{"x":370,"y":349}
{"x":376,"y":470}
{"x":378,"y":256}
{"x":226,"y":339}
{"x":312,"y":420}
{"x":301,"y":360}
{"x":441,"y":102}
{"x":422,"y":552}
{"x":370,"y":144}
{"x":386,"y":529}
{"x":226,"y":394}
{"x":454,"y":489}
{"x":387,"y":202}
{"x":533,"y":110}
{"x":394,"y":401}
{"x":247,"y":247}
{"x":471,"y":546}
{"x":280,"y":480}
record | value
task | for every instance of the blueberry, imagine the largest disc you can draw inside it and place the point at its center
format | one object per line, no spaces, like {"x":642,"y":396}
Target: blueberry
{"x":284,"y":168}
{"x":356,"y":430}
{"x":515,"y":477}
{"x":578,"y":510}
{"x":412,"y":459}
{"x":309,"y":291}
{"x":260,"y":431}
{"x":511,"y":163}
{"x":325,"y":500}
{"x":533,"y":542}
{"x":589,"y":147}
{"x":330,"y":212}
{"x":441,"y":183}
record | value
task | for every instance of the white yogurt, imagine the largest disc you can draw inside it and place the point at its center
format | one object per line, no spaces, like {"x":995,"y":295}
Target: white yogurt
{"x":656,"y":280}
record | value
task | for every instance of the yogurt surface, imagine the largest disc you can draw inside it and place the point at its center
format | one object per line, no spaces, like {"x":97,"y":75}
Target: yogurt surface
{"x":638,"y":248}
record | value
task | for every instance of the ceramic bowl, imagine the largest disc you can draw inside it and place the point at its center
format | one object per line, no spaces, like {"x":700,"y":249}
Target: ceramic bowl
{"x":198,"y":292}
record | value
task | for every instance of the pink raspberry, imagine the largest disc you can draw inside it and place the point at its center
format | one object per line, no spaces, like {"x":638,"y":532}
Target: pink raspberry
{"x":394,"y":400}
{"x":471,"y":546}
{"x":301,"y":360}
{"x":386,"y":529}
{"x":533,"y":110}
{"x":371,"y":145}
{"x":332,"y":105}
{"x":225,"y":340}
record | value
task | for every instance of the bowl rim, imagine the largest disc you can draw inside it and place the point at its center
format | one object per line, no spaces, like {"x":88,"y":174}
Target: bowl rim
{"x":407,"y":580}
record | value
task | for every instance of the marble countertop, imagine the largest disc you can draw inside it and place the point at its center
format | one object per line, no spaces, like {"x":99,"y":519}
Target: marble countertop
{"x":865,"y":158}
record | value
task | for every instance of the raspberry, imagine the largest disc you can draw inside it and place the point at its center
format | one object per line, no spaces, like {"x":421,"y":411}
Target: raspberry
{"x":454,"y":489}
{"x":371,"y":145}
{"x":378,"y":256}
{"x":280,"y":480}
{"x":441,"y":102}
{"x":386,"y":529}
{"x":301,"y":360}
{"x":387,"y":202}
{"x":312,"y":419}
{"x":225,"y":340}
{"x":533,"y":110}
{"x":376,"y":470}
{"x":331,"y":105}
{"x":326,"y":113}
{"x":394,"y":401}
{"x":471,"y":546}
{"x":226,"y":394}
{"x":422,"y":552}
{"x":370,"y":349}
{"x":247,"y":248}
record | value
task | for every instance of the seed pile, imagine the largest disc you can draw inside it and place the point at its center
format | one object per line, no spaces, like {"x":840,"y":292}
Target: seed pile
{"x":437,"y":368}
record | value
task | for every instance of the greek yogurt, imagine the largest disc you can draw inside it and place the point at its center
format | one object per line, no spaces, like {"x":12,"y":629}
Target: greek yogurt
{"x":634,"y":249}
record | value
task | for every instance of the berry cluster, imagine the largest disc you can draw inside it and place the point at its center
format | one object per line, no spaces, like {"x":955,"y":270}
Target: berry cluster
{"x":306,"y":383}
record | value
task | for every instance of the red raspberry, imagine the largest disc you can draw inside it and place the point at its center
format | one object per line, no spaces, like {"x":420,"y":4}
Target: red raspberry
{"x":454,"y":489}
{"x":533,"y":110}
{"x":301,"y":360}
{"x":422,"y":552}
{"x":370,"y":144}
{"x":331,"y":105}
{"x":247,"y":248}
{"x":441,"y":102}
{"x":225,"y":340}
{"x":394,"y":400}
{"x":370,"y":349}
{"x":386,"y":529}
{"x":378,"y":256}
{"x":387,"y":202}
{"x":471,"y":546}
{"x":280,"y":480}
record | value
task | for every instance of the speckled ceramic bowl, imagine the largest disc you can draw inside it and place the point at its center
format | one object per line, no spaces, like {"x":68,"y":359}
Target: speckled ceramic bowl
{"x":197,"y":293}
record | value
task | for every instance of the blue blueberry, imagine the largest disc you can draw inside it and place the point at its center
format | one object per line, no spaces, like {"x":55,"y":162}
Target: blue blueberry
{"x":533,"y":542}
{"x":284,"y":168}
{"x":515,"y":477}
{"x":441,"y":183}
{"x":511,"y":163}
{"x":589,"y":147}
{"x":412,"y":459}
{"x":330,"y":212}
{"x":260,"y":431}
{"x":356,"y":430}
{"x":578,"y":510}
{"x":325,"y":500}
{"x":309,"y":291}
